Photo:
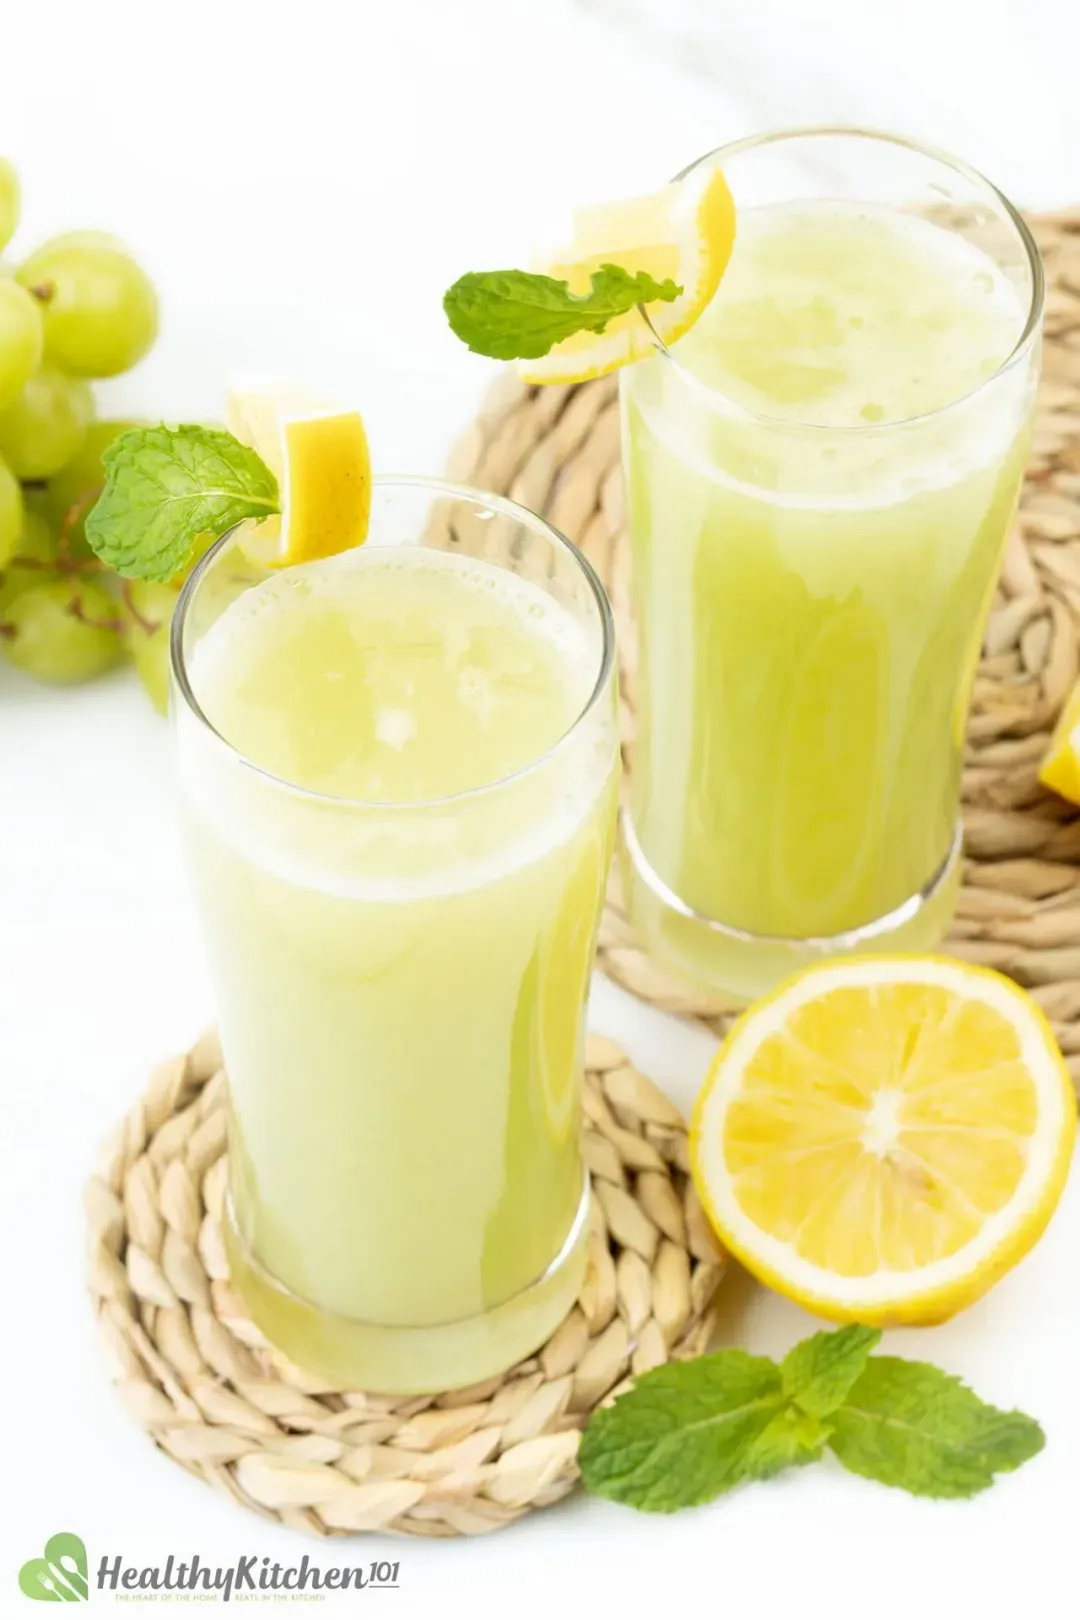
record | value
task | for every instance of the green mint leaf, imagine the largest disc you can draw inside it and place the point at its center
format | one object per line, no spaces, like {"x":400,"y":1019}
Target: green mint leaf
{"x":818,"y":1373}
{"x":792,"y":1439}
{"x":515,"y":315}
{"x":908,"y":1424}
{"x":164,"y":488}
{"x":684,"y":1433}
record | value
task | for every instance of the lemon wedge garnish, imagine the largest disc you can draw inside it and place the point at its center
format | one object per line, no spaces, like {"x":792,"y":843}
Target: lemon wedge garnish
{"x":882,"y":1138}
{"x":1060,"y":768}
{"x":685,"y":231}
{"x":320,"y":459}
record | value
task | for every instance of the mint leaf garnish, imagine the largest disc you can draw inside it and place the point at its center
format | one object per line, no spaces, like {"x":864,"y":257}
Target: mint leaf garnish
{"x":167,"y":487}
{"x":793,"y":1439}
{"x":906,"y":1423}
{"x":818,"y":1373}
{"x":515,"y":315}
{"x":683,"y":1434}
{"x":689,"y":1431}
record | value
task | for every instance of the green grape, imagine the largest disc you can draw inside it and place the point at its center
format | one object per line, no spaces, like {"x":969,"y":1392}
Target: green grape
{"x":79,"y":484}
{"x":147,"y":606}
{"x":41,"y":430}
{"x":151,"y":659}
{"x":36,"y":544}
{"x":99,"y":308}
{"x":36,"y":500}
{"x":9,"y":202}
{"x":45,"y":636}
{"x":80,"y":239}
{"x":11,"y":512}
{"x":22,"y":339}
{"x":148,"y":609}
{"x":38,"y":541}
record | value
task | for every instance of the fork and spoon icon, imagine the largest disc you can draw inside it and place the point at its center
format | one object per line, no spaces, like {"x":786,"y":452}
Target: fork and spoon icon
{"x":61,"y":1575}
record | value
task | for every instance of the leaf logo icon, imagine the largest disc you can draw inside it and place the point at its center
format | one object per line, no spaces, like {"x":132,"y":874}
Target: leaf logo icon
{"x":61,"y":1575}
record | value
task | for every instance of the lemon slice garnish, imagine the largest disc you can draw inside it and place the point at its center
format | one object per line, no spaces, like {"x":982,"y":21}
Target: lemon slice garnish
{"x":685,"y":231}
{"x":320,"y":459}
{"x":883,"y":1138}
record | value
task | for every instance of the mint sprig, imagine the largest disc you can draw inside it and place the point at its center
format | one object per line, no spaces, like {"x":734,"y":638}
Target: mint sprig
{"x":688,"y":1432}
{"x":516,"y":315}
{"x":791,"y":1440}
{"x":165,"y":488}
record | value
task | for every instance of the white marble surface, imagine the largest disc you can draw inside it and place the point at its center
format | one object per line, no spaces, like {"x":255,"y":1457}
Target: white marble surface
{"x":304,"y":182}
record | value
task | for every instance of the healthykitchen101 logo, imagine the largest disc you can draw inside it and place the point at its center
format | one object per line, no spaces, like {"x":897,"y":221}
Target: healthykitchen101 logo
{"x":61,"y":1575}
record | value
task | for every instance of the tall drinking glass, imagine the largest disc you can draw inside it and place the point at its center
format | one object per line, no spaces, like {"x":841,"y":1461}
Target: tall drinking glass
{"x":398,"y":769}
{"x":821,"y":477}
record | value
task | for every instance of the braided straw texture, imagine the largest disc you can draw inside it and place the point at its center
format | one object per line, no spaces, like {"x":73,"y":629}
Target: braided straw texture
{"x":556,"y":450}
{"x":194,"y":1371}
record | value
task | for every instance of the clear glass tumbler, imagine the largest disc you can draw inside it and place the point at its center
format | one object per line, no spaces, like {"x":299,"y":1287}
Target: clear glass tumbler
{"x":820,"y":480}
{"x":401,"y":986}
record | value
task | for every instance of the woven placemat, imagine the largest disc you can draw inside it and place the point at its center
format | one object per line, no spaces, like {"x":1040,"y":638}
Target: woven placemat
{"x":556,"y":449}
{"x":194,"y":1371}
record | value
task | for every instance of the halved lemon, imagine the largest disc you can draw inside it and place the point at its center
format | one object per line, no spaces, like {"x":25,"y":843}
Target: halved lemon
{"x":685,"y":231}
{"x":1060,"y":768}
{"x":882,"y":1138}
{"x":320,"y":459}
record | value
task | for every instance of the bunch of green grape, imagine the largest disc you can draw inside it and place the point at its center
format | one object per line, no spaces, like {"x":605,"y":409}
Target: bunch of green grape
{"x":78,"y":308}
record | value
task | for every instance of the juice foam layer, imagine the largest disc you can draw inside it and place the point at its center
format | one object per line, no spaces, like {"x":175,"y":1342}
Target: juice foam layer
{"x":391,"y":685}
{"x":842,"y":315}
{"x":393,"y":677}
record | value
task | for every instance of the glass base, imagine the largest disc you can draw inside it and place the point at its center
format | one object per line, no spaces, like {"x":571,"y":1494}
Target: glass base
{"x":410,"y":1360}
{"x":736,"y":967}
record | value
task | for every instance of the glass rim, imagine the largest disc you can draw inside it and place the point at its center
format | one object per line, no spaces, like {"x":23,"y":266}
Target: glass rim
{"x":440,"y":488}
{"x":723,"y":404}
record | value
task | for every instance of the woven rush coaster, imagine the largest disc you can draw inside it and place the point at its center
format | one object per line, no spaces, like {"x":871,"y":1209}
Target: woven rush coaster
{"x":195,"y":1372}
{"x":556,"y":449}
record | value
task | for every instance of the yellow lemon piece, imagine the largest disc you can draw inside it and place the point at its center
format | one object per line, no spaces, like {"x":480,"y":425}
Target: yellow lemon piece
{"x":685,"y":231}
{"x":320,"y":459}
{"x":1060,"y":768}
{"x":883,"y":1138}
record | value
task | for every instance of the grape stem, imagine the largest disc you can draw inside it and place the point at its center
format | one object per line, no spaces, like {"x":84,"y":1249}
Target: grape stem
{"x":8,"y":632}
{"x":77,"y":611}
{"x":75,"y":511}
{"x":147,"y":626}
{"x":32,"y":562}
{"x":44,"y":291}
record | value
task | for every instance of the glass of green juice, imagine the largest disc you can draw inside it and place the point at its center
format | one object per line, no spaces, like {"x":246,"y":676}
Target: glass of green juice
{"x":821,"y":476}
{"x":398,"y":768}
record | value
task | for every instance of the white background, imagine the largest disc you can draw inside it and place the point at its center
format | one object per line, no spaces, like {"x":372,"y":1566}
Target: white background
{"x":304,"y":180}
